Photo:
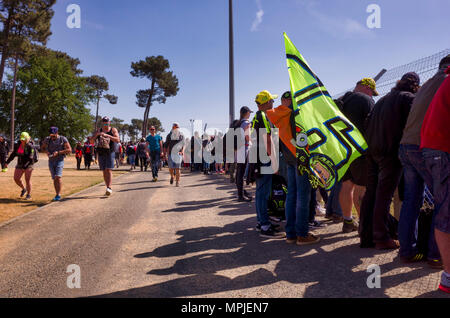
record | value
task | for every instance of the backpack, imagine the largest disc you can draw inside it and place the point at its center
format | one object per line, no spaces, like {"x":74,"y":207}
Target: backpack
{"x":35,"y":154}
{"x":278,"y":195}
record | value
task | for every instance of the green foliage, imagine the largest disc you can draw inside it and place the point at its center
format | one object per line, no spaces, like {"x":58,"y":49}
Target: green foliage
{"x":49,"y":93}
{"x":164,"y":84}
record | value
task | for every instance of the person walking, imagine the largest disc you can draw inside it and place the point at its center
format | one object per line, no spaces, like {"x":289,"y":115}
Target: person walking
{"x":155,"y":147}
{"x":131,"y":154}
{"x":117,"y":153}
{"x":174,"y":150}
{"x":106,"y":138}
{"x":435,"y":143}
{"x":243,"y":143}
{"x":57,"y":147}
{"x":88,"y":151}
{"x":4,"y":151}
{"x":143,"y":155}
{"x":79,"y":155}
{"x":383,"y":134}
{"x":26,"y":155}
{"x":416,"y":174}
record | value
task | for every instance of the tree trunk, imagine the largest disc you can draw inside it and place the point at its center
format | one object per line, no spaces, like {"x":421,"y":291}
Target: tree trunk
{"x":5,"y":51}
{"x":13,"y":99}
{"x":147,"y":110}
{"x":96,"y":115}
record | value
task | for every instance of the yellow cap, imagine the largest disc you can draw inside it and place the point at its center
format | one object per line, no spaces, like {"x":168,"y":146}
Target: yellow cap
{"x":24,"y":136}
{"x":264,"y":97}
{"x":370,"y":83}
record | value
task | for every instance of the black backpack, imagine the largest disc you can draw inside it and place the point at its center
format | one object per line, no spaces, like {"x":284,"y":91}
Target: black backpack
{"x":278,"y":195}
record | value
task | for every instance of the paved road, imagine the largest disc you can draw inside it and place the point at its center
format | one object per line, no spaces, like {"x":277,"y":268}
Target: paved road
{"x":153,"y":240}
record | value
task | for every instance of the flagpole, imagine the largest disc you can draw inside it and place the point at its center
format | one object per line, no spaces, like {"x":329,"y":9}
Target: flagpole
{"x":231,"y":46}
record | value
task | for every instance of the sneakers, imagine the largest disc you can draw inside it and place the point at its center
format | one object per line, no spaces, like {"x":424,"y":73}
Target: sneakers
{"x":335,"y":218}
{"x":350,"y":226}
{"x":248,"y":195}
{"x":171,"y":180}
{"x":315,"y":225}
{"x":388,"y":245}
{"x":28,"y":197}
{"x":23,"y":193}
{"x":320,"y":210}
{"x":5,"y":170}
{"x":274,"y":226}
{"x":435,"y":263}
{"x":270,"y":233}
{"x":412,"y":259}
{"x":244,"y":199}
{"x":177,"y":184}
{"x":108,"y":192}
{"x":57,"y":198}
{"x":291,"y":240}
{"x":310,"y":239}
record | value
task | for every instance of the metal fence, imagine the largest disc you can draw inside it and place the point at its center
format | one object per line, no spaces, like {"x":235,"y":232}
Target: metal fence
{"x":425,"y":67}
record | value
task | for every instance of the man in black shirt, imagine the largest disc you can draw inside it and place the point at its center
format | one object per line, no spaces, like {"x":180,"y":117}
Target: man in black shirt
{"x":356,"y":106}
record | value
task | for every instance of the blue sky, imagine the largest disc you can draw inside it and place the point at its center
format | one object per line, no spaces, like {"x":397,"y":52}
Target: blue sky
{"x":193,"y":35}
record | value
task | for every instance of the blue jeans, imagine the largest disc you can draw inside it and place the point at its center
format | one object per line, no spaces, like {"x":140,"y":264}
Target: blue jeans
{"x":155,"y":156}
{"x":263,"y":189}
{"x":132,"y":159}
{"x":297,"y":204}
{"x":416,"y":176}
{"x":333,"y":205}
{"x":438,"y":164}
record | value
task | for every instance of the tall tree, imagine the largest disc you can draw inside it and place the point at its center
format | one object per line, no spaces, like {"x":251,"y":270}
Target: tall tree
{"x":163,"y":84}
{"x":25,"y":22}
{"x":157,"y":123}
{"x":49,"y":93}
{"x":135,"y":128}
{"x":101,"y":85}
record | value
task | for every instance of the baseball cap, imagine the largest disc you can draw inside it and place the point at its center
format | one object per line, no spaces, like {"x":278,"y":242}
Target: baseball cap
{"x":412,"y":77}
{"x":370,"y":83}
{"x":176,"y":124}
{"x":245,"y":110}
{"x":53,"y":130}
{"x":264,"y":97}
{"x":286,"y":95}
{"x":105,"y":119}
{"x":444,"y":62}
{"x":24,"y":136}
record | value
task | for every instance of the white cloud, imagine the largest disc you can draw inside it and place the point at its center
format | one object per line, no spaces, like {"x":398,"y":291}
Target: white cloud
{"x":259,"y":17}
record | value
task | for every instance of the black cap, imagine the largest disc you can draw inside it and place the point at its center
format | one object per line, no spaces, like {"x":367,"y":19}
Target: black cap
{"x":245,"y":110}
{"x":53,"y":130}
{"x":444,"y":61}
{"x":287,"y":95}
{"x":105,"y":119}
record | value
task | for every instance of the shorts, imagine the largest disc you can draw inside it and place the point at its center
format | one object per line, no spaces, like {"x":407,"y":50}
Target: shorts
{"x":357,"y":172}
{"x":106,"y":161}
{"x":438,"y":165}
{"x":175,"y":163}
{"x":56,"y":168}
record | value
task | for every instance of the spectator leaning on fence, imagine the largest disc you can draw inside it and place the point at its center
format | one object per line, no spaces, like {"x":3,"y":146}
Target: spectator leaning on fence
{"x":435,"y":142}
{"x":356,"y":106}
{"x":383,"y":134}
{"x":416,"y":175}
